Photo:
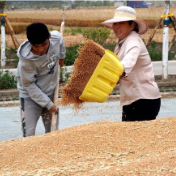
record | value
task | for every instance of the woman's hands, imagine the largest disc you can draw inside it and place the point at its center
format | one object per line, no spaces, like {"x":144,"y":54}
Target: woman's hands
{"x":122,"y":76}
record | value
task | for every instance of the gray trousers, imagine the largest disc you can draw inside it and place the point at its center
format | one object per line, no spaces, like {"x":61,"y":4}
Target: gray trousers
{"x":30,"y":114}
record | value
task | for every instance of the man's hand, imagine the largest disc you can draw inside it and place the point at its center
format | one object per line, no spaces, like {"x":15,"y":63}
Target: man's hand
{"x":53,"y":109}
{"x":61,"y":62}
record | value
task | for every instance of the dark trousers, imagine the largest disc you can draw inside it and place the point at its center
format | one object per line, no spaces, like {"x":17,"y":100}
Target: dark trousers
{"x":140,"y":110}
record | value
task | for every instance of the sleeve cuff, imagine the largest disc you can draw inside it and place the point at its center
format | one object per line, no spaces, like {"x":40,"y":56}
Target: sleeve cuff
{"x":61,"y":56}
{"x":49,"y":105}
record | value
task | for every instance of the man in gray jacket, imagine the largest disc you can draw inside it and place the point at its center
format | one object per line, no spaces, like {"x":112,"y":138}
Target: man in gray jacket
{"x":37,"y":75}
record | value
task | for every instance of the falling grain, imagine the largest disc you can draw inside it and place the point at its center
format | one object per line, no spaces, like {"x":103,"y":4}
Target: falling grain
{"x":89,"y":55}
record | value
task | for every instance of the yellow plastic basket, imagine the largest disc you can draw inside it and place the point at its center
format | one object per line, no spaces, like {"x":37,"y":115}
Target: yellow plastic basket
{"x":103,"y":79}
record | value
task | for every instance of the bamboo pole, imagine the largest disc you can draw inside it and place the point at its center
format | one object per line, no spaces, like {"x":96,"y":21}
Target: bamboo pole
{"x":12,"y":33}
{"x":152,"y":35}
{"x":173,"y":24}
{"x":173,"y":39}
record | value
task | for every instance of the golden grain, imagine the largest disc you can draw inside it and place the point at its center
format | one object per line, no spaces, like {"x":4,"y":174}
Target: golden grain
{"x":89,"y":56}
{"x":86,"y":14}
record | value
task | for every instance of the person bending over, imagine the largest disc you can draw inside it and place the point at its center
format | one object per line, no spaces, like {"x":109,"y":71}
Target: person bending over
{"x":37,"y":73}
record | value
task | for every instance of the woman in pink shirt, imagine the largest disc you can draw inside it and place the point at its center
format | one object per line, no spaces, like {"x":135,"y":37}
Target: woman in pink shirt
{"x":139,"y":93}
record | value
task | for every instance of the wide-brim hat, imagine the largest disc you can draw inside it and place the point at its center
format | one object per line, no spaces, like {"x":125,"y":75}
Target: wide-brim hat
{"x":126,"y":13}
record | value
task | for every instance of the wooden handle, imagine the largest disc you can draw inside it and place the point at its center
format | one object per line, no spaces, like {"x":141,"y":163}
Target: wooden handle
{"x":56,"y":95}
{"x":56,"y":92}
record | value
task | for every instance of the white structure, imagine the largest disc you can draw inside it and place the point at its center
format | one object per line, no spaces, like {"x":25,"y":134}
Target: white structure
{"x":3,"y":57}
{"x":165,"y":41}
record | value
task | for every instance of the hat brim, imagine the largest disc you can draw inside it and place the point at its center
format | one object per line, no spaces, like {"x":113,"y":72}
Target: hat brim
{"x":143,"y":26}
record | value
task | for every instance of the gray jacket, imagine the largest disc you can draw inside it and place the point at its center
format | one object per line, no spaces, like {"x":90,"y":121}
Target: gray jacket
{"x":37,"y":75}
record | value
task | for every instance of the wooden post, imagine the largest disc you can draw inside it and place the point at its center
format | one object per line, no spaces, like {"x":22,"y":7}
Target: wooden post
{"x":174,"y":26}
{"x":12,"y":33}
{"x":165,"y":42}
{"x":173,"y":39}
{"x":152,"y":35}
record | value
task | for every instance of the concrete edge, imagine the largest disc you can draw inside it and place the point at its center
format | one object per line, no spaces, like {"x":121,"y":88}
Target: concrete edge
{"x":9,"y":103}
{"x":164,"y":95}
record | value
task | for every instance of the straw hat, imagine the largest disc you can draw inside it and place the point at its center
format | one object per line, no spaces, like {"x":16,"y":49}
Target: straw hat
{"x":126,"y":13}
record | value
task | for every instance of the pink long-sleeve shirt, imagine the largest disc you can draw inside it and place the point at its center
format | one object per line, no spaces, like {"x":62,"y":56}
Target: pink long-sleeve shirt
{"x":140,"y":82}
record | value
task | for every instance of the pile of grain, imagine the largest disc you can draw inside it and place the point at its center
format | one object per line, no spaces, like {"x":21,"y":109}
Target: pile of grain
{"x":95,"y":149}
{"x":89,"y":56}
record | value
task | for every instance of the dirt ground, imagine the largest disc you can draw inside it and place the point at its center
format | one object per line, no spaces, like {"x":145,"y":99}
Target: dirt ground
{"x":95,"y":149}
{"x":77,"y":39}
{"x":68,"y":39}
{"x":170,"y":79}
